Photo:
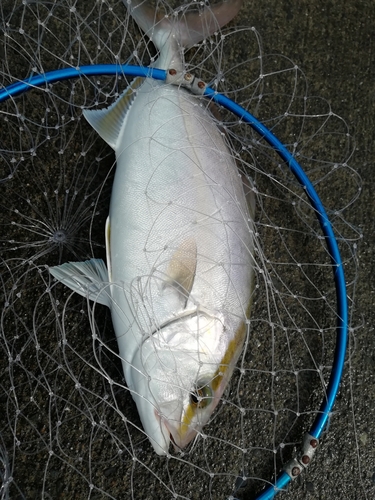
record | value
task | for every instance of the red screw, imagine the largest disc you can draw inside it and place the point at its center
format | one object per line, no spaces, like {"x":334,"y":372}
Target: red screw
{"x":295,"y":471}
{"x":314,"y":443}
{"x":305,"y":459}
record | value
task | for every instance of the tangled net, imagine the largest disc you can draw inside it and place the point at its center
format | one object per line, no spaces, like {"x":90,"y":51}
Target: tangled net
{"x":69,"y":425}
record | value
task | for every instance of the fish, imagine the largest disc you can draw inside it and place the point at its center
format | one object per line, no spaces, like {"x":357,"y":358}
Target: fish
{"x":179,"y":239}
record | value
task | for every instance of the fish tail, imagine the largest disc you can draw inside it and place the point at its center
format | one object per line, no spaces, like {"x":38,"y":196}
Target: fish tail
{"x":181,"y":29}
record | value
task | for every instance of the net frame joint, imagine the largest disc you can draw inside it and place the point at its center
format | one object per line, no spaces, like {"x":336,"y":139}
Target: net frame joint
{"x":303,"y":459}
{"x":186,"y":80}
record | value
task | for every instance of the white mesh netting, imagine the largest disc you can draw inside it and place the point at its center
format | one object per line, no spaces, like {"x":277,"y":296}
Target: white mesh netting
{"x":69,"y":427}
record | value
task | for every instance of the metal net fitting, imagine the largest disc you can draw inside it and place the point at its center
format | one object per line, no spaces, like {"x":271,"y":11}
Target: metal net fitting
{"x":295,"y":466}
{"x":186,"y":80}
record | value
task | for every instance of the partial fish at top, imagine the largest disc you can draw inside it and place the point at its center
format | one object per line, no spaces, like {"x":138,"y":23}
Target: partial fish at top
{"x":179,"y":239}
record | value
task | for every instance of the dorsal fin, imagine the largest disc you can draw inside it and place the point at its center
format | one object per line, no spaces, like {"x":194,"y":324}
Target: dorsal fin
{"x":110,"y":121}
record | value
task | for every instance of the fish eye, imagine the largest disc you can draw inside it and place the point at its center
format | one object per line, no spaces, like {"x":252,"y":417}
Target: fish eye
{"x":201,"y":396}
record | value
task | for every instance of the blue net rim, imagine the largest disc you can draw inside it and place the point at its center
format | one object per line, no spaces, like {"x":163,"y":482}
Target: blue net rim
{"x":322,"y":417}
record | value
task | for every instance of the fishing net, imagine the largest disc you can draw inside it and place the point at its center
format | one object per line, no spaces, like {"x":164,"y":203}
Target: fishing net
{"x":69,"y":426}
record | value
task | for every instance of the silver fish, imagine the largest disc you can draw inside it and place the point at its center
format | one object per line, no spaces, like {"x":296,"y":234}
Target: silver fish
{"x":179,"y":240}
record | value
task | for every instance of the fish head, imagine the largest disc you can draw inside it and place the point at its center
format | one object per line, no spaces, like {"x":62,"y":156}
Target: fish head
{"x":178,"y":378}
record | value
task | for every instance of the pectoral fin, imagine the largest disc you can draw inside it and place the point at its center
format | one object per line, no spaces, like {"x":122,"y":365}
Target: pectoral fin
{"x":182,"y":267}
{"x":89,"y":278}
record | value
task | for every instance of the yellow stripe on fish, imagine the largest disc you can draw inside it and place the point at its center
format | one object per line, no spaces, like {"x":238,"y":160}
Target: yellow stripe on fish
{"x":219,"y":380}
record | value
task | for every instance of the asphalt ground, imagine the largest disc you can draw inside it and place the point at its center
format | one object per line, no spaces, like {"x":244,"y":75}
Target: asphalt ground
{"x":333,"y":44}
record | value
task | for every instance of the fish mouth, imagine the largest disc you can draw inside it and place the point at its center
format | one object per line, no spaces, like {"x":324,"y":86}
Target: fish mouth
{"x":176,"y":447}
{"x":174,"y":435}
{"x":166,"y":435}
{"x":178,"y":438}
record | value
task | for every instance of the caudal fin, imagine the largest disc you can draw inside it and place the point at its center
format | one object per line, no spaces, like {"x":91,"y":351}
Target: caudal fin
{"x":173,"y":33}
